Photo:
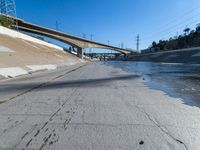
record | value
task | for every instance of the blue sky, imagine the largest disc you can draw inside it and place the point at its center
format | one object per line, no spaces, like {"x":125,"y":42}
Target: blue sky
{"x":114,"y":20}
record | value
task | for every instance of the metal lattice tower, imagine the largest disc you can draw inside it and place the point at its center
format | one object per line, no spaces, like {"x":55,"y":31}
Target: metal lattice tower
{"x":7,"y":7}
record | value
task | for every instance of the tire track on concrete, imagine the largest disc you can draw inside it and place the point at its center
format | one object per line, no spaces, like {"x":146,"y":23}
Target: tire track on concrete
{"x":30,"y":90}
{"x":25,"y":135}
{"x":49,"y":133}
{"x":48,"y":138}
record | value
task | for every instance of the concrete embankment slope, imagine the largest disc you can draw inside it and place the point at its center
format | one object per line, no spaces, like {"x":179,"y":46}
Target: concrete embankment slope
{"x":21,"y":54}
{"x":191,"y":56}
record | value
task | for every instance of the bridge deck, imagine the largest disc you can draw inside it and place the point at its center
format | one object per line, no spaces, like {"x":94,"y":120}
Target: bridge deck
{"x":64,"y":37}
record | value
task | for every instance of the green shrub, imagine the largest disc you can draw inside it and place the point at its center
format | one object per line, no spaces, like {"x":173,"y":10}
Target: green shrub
{"x":6,"y":22}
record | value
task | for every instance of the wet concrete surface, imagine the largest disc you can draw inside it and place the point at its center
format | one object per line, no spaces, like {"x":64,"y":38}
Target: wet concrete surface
{"x":176,"y":79}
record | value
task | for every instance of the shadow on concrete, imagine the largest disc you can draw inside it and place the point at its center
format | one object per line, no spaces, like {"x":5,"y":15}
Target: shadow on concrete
{"x":87,"y":83}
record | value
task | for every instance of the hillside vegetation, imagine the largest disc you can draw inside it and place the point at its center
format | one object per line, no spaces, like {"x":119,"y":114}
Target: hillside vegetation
{"x":4,"y":21}
{"x":190,"y":38}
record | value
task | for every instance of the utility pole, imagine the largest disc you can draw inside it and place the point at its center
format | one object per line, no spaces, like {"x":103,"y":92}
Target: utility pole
{"x":91,"y":38}
{"x":138,"y":42}
{"x":109,"y":45}
{"x":84,"y":35}
{"x":122,"y":45}
{"x":57,"y":25}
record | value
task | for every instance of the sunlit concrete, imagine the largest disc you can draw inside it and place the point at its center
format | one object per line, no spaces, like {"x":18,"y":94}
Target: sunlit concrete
{"x":93,"y":106}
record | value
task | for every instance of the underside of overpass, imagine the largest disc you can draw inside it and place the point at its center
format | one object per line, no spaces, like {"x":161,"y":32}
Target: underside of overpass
{"x":74,"y":41}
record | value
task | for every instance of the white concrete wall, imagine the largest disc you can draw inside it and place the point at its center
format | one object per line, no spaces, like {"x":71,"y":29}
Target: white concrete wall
{"x":15,"y":34}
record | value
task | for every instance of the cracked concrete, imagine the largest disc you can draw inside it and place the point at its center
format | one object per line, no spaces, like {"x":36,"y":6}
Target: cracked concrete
{"x":93,"y":107}
{"x":163,"y":129}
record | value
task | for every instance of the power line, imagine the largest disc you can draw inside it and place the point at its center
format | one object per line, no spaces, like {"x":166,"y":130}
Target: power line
{"x":181,"y":26}
{"x":190,"y":18}
{"x":169,"y":30}
{"x":174,"y":32}
{"x":180,"y":23}
{"x":176,"y":21}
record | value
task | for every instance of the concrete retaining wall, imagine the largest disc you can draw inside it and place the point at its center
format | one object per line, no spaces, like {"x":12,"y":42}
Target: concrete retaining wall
{"x":22,"y":54}
{"x":191,"y":56}
{"x":15,"y":34}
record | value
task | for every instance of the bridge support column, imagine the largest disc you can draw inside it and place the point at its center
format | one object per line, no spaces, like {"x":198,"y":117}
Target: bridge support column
{"x":80,"y":52}
{"x":125,"y":56}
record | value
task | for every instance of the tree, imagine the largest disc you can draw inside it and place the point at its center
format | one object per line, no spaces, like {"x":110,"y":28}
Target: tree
{"x":154,"y":44}
{"x":4,"y":21}
{"x":162,"y":44}
{"x":190,"y":38}
{"x":186,"y":30}
{"x":198,"y":28}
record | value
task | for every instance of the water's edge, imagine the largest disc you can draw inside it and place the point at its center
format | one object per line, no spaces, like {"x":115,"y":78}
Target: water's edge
{"x":176,"y":80}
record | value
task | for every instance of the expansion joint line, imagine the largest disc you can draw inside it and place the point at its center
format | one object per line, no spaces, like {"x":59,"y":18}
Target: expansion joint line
{"x":161,"y":128}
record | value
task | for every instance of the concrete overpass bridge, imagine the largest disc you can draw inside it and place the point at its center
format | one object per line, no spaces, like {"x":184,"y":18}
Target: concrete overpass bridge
{"x":74,"y":41}
{"x":102,"y":55}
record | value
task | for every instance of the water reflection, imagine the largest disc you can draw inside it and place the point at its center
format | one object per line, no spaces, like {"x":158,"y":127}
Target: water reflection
{"x":177,"y":80}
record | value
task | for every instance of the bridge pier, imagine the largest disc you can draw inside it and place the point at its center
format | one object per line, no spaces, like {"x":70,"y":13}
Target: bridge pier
{"x":80,"y":52}
{"x":125,"y":56}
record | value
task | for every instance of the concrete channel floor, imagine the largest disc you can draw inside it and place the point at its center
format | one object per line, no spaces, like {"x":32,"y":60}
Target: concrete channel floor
{"x":93,"y":107}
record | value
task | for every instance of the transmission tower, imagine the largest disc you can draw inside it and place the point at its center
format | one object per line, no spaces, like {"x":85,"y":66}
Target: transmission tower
{"x":138,"y":42}
{"x":7,"y":7}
